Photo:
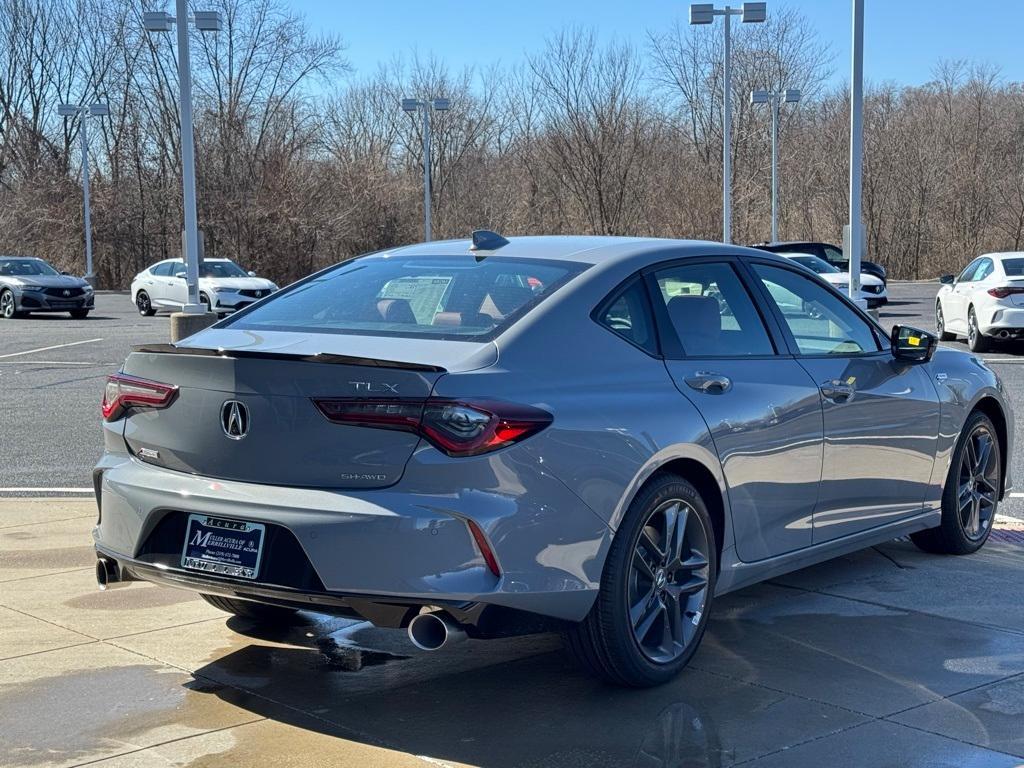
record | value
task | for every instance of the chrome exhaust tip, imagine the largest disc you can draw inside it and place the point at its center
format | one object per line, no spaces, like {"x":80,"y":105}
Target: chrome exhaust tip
{"x":108,"y":574}
{"x":431,"y":631}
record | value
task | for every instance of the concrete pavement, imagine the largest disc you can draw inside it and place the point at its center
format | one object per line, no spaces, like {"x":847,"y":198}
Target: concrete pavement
{"x":887,"y":657}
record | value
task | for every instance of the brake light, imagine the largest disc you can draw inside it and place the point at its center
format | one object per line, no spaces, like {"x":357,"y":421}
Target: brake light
{"x":124,"y":392}
{"x":456,"y":427}
{"x":1003,"y":292}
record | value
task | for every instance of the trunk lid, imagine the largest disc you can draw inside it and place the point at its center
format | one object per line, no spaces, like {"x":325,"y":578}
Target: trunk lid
{"x":273,"y":378}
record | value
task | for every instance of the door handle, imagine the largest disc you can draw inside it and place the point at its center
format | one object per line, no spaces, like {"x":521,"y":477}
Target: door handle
{"x":709,"y":383}
{"x":837,"y":391}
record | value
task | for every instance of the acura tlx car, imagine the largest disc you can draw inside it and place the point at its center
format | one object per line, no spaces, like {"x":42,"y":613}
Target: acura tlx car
{"x":31,"y":285}
{"x":224,"y":287}
{"x":590,"y":435}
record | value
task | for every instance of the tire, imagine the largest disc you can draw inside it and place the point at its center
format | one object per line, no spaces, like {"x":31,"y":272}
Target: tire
{"x":940,"y":324}
{"x":144,"y":304}
{"x":8,"y":305}
{"x":79,"y":314}
{"x":966,"y":517}
{"x":976,"y":340}
{"x":257,"y":612}
{"x":205,"y":300}
{"x":639,"y":574}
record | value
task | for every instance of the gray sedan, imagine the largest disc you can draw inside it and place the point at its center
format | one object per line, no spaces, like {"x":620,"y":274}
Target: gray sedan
{"x":31,"y":285}
{"x":590,"y":435}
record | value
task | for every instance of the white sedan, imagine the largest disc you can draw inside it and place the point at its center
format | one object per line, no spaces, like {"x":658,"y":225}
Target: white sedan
{"x":223,"y":286}
{"x":985,"y":302}
{"x":872,"y":289}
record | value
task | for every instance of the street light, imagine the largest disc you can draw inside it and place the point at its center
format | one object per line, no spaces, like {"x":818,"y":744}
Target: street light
{"x":853,"y":243}
{"x":84,"y":112}
{"x":425,"y":107}
{"x":205,"y":21}
{"x":704,"y":13}
{"x":790,"y":96}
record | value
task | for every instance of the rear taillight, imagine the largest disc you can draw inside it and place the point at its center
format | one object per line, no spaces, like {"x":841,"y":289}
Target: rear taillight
{"x":125,"y":392}
{"x":1003,"y":292}
{"x":458,"y":428}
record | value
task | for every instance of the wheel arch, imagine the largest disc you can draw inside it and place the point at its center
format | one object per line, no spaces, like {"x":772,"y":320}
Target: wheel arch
{"x":706,"y":482}
{"x":989,"y":406}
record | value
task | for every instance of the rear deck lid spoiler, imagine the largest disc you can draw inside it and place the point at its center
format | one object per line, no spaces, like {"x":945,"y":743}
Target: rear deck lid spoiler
{"x":323,"y":357}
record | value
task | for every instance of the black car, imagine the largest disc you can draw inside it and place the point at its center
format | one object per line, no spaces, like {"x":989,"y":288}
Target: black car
{"x":31,"y":285}
{"x":830,"y":253}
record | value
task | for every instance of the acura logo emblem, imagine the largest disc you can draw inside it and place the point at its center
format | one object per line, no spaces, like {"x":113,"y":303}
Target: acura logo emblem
{"x":67,"y":293}
{"x":234,"y":419}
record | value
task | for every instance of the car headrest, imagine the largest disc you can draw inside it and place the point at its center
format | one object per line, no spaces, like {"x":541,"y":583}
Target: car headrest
{"x":396,"y":311}
{"x":508,"y":298}
{"x":698,"y":322}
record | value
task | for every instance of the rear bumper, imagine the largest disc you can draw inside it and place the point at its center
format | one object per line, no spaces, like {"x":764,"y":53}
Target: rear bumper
{"x":1002,"y":319}
{"x":408,"y":544}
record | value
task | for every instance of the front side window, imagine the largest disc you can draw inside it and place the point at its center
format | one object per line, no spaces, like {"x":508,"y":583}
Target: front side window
{"x":834,"y":255}
{"x":985,"y":268}
{"x":967,"y":275}
{"x":440,"y":297}
{"x":820,"y":322}
{"x":629,"y":315}
{"x":711,"y":312}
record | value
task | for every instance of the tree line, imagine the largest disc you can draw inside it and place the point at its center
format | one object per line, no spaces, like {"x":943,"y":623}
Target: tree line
{"x":302,"y":162}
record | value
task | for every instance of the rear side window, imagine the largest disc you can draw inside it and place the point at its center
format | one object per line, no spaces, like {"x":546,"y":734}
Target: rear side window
{"x":439,"y":297}
{"x":628,"y":314}
{"x":711,"y":312}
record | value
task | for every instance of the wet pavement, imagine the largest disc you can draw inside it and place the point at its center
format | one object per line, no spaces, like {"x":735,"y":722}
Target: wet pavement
{"x":888,"y":657}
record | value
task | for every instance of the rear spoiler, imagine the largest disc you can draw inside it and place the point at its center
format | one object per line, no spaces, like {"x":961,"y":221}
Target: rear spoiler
{"x":328,"y":359}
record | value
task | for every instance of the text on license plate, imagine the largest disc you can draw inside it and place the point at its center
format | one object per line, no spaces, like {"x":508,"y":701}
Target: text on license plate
{"x":224,"y":547}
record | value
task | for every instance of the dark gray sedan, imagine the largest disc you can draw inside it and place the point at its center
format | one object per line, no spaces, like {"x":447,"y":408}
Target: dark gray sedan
{"x":595,"y":435}
{"x":31,"y":285}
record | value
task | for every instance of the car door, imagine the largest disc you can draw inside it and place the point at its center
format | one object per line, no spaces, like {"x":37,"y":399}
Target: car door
{"x":761,"y":407}
{"x":954,"y":305}
{"x":880,"y":414}
{"x":177,"y":288}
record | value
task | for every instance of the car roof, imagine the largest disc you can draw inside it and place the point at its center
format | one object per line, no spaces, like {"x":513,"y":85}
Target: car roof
{"x":786,"y":243}
{"x":587,"y":249}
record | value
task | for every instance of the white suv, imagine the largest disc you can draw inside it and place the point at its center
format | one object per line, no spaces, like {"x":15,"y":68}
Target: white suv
{"x":223,"y":286}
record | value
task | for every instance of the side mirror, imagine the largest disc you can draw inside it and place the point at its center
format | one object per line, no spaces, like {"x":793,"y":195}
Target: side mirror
{"x":251,"y":273}
{"x":912,"y":344}
{"x":947,"y":279}
{"x":181,"y":274}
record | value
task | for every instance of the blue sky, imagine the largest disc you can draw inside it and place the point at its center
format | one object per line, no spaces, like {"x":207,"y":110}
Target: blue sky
{"x":904,"y":39}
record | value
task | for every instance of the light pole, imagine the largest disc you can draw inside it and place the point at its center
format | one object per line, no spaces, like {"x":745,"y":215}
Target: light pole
{"x":425,"y":107}
{"x":704,"y":13}
{"x":790,"y":96}
{"x":84,"y":112}
{"x":205,"y":21}
{"x":856,"y":237}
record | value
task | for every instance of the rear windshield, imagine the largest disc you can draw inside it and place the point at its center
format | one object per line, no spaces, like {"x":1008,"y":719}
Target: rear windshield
{"x":445,"y":297}
{"x":1014,"y":267}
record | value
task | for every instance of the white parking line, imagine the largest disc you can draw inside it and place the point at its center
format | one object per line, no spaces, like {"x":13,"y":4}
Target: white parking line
{"x":46,"y":349}
{"x":51,"y":362}
{"x":1016,"y":495}
{"x":89,"y":491}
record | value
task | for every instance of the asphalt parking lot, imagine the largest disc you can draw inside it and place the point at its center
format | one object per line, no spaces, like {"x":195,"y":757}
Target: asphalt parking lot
{"x":887,"y":657}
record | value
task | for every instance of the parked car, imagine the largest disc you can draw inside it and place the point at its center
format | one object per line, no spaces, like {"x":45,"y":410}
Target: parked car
{"x":831,"y":253}
{"x":224,"y":287}
{"x":594,"y":435}
{"x":30,"y":285}
{"x":872,"y":289}
{"x":985,"y":302}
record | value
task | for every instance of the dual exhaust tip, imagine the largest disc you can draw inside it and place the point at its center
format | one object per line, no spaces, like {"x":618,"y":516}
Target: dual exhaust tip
{"x":432,"y":631}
